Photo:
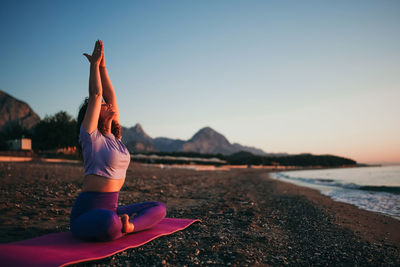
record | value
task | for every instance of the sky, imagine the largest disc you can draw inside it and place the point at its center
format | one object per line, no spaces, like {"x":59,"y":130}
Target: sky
{"x":320,"y":77}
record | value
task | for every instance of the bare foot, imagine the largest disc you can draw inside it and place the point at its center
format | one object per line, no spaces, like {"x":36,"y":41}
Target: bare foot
{"x":127,"y":226}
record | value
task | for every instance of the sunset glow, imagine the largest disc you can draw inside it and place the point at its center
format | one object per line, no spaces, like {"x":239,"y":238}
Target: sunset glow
{"x":295,"y":77}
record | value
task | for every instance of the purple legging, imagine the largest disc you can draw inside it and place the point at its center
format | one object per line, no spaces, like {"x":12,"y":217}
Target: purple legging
{"x":94,"y":216}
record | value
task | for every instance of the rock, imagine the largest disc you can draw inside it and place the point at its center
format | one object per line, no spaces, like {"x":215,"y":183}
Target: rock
{"x":15,"y":112}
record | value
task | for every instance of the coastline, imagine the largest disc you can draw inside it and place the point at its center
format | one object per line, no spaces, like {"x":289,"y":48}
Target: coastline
{"x":372,"y":188}
{"x":247,"y":217}
{"x":372,"y":226}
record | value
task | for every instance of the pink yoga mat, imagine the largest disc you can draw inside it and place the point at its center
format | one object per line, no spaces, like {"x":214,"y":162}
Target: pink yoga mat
{"x":60,"y":249}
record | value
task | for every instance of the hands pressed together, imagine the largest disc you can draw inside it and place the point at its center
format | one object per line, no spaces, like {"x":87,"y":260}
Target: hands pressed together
{"x":100,"y":85}
{"x":97,"y":56}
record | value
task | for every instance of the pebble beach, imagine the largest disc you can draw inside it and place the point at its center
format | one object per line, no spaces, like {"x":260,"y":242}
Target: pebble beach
{"x":246,"y":218}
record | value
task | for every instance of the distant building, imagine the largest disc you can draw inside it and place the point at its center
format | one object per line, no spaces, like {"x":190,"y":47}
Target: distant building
{"x":20,"y":144}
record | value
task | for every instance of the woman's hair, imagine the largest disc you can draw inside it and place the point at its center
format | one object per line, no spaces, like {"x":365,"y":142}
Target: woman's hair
{"x":115,"y":127}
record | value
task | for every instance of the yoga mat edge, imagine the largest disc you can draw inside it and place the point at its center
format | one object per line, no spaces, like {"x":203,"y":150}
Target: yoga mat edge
{"x":135,"y":246}
{"x":62,"y":249}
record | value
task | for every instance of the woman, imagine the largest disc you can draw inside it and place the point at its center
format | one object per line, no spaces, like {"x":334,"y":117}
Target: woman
{"x":95,"y":215}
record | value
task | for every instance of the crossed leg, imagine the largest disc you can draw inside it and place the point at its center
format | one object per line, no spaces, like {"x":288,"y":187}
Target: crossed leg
{"x":97,"y":225}
{"x":143,"y":215}
{"x":108,"y":225}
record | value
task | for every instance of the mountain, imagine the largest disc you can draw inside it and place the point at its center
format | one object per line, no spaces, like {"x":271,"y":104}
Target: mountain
{"x":206,"y":140}
{"x":257,"y":151}
{"x":136,"y":140}
{"x":14,"y":111}
{"x":168,"y":145}
{"x":135,"y":133}
{"x":253,"y":150}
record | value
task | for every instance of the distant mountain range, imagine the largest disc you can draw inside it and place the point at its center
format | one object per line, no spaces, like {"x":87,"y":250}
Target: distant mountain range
{"x":206,"y":140}
{"x":14,"y":111}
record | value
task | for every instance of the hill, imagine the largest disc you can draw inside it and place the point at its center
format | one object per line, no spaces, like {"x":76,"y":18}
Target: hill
{"x":16,"y":112}
{"x":206,"y":141}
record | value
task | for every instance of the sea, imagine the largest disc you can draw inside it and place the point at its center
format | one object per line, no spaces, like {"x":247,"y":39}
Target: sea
{"x":374,"y":189}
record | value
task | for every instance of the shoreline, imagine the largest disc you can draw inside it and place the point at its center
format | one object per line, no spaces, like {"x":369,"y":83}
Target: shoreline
{"x":247,"y":217}
{"x":358,"y":191}
{"x":349,"y":215}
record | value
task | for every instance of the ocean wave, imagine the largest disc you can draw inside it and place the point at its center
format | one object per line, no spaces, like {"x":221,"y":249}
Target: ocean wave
{"x":334,"y":183}
{"x":387,"y":189}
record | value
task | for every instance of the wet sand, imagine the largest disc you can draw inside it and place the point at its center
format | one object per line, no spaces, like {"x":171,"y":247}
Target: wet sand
{"x":247,"y":218}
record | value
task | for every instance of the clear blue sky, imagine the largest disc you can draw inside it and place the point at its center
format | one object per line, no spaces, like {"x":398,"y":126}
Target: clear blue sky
{"x":285,"y":76}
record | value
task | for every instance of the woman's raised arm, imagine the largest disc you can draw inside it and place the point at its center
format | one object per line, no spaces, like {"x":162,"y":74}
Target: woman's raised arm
{"x":95,"y":90}
{"x":108,"y":89}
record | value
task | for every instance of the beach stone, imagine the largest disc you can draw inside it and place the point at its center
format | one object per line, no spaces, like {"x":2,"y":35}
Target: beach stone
{"x":288,"y":227}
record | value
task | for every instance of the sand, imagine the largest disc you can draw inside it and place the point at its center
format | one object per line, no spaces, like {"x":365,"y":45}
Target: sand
{"x":247,"y":218}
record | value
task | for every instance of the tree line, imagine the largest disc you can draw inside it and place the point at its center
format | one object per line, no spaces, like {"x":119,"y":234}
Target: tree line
{"x":55,"y":131}
{"x":247,"y":158}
